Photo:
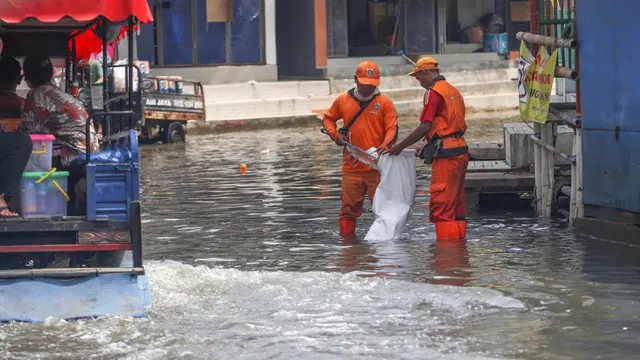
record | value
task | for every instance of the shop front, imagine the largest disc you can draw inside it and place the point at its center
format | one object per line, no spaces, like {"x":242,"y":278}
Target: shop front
{"x":378,"y":28}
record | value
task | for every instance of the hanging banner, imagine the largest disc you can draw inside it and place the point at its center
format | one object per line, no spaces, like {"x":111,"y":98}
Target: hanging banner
{"x":535,"y":82}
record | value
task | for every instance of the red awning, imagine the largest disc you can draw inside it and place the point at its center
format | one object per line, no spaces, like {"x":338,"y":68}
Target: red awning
{"x":51,"y":11}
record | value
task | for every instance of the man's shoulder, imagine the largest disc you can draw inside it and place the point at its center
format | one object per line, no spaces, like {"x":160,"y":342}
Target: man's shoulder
{"x":342,"y":97}
{"x":382,"y":98}
{"x":444,"y":85}
{"x":11,"y":103}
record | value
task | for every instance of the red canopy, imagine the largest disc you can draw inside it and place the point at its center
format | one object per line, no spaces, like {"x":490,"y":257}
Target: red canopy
{"x":51,"y":11}
{"x":47,"y":12}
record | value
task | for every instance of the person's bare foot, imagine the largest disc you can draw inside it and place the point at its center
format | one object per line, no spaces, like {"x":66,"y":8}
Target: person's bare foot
{"x":4,"y":209}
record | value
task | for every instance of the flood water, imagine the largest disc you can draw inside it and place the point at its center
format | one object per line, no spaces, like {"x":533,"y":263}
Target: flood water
{"x":252,"y":267}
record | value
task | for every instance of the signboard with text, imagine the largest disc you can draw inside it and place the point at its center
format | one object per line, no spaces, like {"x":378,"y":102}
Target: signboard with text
{"x":169,"y":103}
{"x":535,"y":83}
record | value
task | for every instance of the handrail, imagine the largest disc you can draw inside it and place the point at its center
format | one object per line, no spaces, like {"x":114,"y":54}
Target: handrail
{"x":546,"y":40}
{"x":552,"y":149}
{"x":573,"y":122}
{"x":70,"y":272}
{"x":567,"y":73}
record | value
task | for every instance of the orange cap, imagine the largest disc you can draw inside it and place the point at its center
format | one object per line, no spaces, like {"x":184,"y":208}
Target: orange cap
{"x":425,"y":63}
{"x":368,"y":73}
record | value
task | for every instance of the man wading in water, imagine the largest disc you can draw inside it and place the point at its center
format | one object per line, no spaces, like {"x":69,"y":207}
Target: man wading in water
{"x":442,"y":121}
{"x":369,"y":121}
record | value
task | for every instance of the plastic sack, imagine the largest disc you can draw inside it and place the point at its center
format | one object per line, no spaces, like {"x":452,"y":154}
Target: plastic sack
{"x":393,"y":201}
{"x":120,"y":77}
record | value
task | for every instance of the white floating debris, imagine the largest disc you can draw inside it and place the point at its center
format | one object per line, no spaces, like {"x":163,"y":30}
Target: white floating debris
{"x":215,"y":260}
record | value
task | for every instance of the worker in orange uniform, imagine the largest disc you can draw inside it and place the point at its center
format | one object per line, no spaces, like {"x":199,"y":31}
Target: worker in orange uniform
{"x":442,"y":121}
{"x":370,"y":120}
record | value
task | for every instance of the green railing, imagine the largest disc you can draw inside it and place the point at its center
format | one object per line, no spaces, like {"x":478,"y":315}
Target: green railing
{"x":554,"y":19}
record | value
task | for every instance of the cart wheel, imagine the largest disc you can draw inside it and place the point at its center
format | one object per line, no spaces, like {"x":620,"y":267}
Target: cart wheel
{"x":174,"y":134}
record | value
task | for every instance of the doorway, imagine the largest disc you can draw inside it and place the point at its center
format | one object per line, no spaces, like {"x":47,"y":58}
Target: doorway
{"x":373,"y":27}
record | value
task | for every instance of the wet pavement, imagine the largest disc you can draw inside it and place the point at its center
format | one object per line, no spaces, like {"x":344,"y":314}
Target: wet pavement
{"x":252,"y":267}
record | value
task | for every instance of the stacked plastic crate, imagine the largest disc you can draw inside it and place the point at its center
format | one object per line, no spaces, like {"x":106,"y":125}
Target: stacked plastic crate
{"x":43,"y":187}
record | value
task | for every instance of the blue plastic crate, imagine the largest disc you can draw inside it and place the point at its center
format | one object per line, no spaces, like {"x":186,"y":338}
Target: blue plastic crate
{"x":111,"y":186}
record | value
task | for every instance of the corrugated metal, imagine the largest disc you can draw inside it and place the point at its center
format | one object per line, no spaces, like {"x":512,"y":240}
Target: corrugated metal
{"x":610,"y":90}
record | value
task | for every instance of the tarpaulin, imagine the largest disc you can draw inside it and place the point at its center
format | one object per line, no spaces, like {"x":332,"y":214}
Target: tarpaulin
{"x":393,"y":201}
{"x":52,"y":11}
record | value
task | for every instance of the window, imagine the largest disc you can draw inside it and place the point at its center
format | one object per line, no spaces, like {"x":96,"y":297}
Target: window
{"x":185,"y":37}
{"x":211,"y":37}
{"x":245,"y":32}
{"x":177,"y":38}
{"x":146,"y":41}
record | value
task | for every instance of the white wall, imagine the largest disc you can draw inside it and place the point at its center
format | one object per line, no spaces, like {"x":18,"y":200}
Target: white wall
{"x":270,"y":32}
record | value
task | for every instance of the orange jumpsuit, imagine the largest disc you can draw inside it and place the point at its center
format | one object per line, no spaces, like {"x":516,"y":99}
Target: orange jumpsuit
{"x":376,"y":127}
{"x":448,"y":207}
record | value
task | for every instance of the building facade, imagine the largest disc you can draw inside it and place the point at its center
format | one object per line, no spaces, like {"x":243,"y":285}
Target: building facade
{"x":213,"y":41}
{"x":339,"y":33}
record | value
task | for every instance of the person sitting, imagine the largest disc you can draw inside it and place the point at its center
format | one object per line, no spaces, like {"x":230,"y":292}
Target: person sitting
{"x":50,"y":110}
{"x":15,"y":145}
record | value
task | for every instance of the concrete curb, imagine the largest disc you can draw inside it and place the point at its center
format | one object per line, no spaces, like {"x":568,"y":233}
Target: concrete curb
{"x":280,"y":122}
{"x":303,"y":120}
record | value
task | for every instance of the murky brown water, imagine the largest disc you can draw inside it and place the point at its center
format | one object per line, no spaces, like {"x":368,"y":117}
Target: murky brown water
{"x":252,"y":267}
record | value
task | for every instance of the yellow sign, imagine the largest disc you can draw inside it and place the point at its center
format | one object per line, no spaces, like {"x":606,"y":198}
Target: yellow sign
{"x":535,"y":82}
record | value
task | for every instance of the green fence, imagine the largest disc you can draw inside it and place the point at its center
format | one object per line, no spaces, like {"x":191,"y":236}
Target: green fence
{"x":555,"y":16}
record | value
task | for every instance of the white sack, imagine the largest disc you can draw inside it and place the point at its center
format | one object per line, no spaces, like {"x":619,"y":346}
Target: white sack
{"x":394,"y":197}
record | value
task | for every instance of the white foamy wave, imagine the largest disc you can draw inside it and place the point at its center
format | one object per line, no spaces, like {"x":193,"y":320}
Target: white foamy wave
{"x":170,"y":278}
{"x":200,"y":312}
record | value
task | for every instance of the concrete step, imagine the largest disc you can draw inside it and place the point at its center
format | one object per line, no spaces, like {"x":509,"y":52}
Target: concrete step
{"x":292,"y":89}
{"x":479,"y":103}
{"x":491,"y":87}
{"x":456,"y":78}
{"x":311,"y":119}
{"x":348,"y":72}
{"x":265,"y":90}
{"x":257,"y":108}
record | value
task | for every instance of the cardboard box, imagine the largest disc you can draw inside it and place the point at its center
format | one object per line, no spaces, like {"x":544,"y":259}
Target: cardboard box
{"x":143,"y":66}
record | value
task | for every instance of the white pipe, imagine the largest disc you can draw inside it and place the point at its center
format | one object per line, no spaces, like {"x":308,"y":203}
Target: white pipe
{"x":573,"y":211}
{"x":579,"y":177}
{"x":550,"y":148}
{"x":537,"y":155}
{"x":551,"y":163}
{"x":545,"y":172}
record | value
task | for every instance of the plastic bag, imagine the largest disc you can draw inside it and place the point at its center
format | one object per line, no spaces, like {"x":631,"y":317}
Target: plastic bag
{"x":393,"y":201}
{"x":103,"y":157}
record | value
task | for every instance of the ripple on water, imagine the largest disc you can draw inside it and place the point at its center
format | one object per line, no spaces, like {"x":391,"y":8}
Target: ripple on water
{"x":527,"y":288}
